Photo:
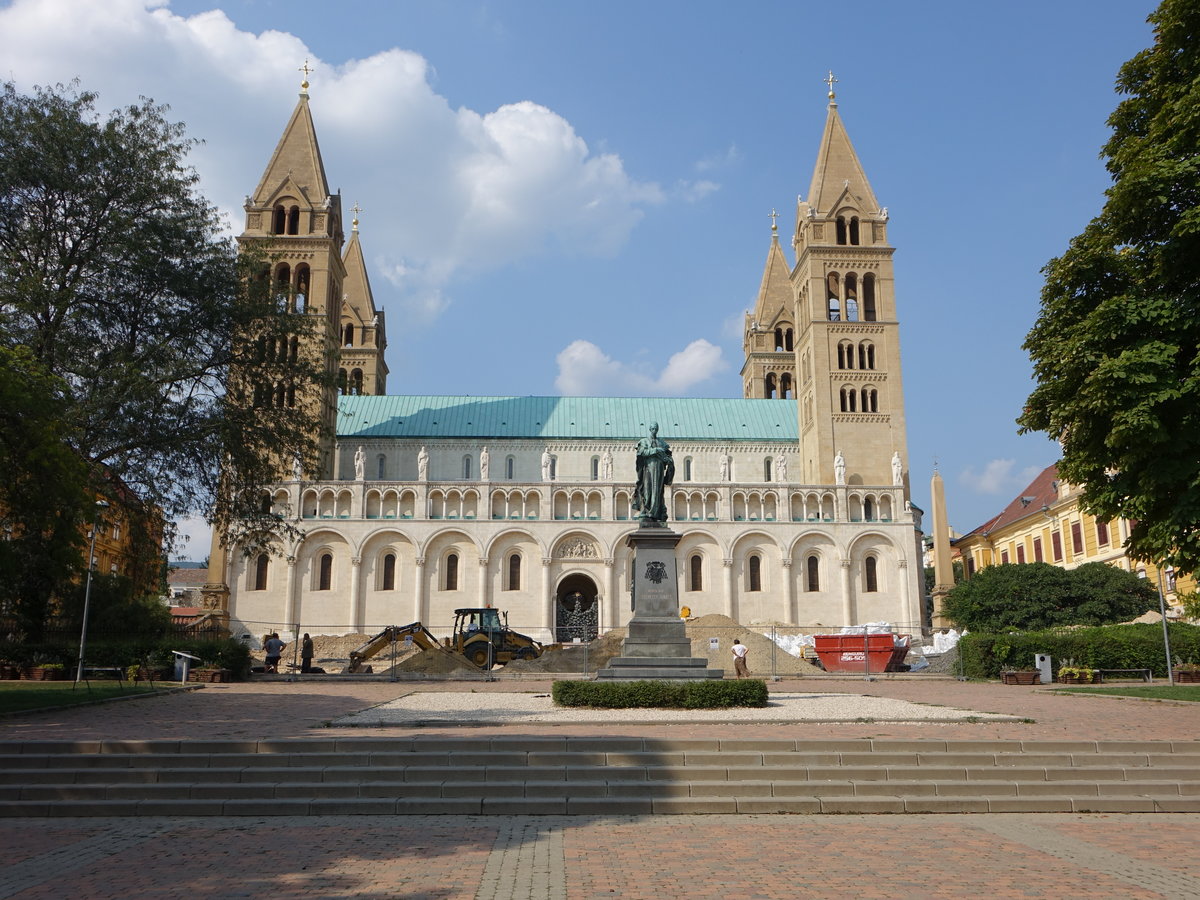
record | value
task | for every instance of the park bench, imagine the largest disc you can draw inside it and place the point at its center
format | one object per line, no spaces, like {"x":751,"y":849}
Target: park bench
{"x":1142,"y":674}
{"x":115,"y":671}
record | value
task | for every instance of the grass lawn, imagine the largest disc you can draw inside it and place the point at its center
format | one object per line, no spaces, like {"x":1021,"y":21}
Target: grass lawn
{"x":18,"y":696}
{"x":1145,"y":691}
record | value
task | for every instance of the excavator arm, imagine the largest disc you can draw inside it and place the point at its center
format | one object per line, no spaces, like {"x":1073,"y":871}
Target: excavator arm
{"x":421,"y":636}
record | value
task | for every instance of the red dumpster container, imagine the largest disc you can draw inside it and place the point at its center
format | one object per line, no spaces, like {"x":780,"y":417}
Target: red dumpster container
{"x":844,"y":652}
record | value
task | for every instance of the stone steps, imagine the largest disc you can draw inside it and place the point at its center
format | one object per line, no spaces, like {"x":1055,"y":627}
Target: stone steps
{"x":592,"y":776}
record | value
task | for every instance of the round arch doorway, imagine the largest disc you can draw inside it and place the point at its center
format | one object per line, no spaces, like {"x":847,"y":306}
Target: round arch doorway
{"x":576,"y":609}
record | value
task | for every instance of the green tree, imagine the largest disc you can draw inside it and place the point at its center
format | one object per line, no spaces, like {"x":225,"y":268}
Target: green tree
{"x":1029,"y":596}
{"x":122,"y":283}
{"x":1115,"y":348}
{"x":44,"y":498}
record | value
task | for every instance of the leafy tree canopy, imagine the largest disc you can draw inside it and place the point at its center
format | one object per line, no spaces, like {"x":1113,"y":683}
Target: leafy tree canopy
{"x":1029,"y":596}
{"x":1116,"y":348}
{"x":117,"y":278}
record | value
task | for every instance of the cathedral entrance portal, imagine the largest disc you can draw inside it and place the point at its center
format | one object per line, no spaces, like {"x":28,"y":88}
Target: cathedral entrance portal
{"x":576,"y":610}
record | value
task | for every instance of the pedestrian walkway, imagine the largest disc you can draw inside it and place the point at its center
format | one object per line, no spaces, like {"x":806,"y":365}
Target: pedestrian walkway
{"x":582,"y":858}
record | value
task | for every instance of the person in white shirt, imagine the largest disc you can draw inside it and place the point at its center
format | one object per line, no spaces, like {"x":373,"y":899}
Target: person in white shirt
{"x":739,"y":659}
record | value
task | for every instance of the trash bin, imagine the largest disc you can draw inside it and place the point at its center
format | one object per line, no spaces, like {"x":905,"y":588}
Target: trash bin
{"x":183,"y":662}
{"x":1043,"y":664}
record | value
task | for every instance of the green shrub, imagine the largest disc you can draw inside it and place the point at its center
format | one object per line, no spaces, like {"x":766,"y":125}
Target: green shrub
{"x":660,"y":694}
{"x":1104,"y":647}
{"x":218,"y":653}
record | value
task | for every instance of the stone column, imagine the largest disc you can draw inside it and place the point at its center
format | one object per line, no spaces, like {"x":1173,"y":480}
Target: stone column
{"x":290,"y":605}
{"x":847,"y":600}
{"x":419,"y":590}
{"x":547,"y":597}
{"x":916,"y":619}
{"x":356,"y":598}
{"x":608,"y":609}
{"x":730,"y":603}
{"x":789,"y":594}
{"x":485,"y":584}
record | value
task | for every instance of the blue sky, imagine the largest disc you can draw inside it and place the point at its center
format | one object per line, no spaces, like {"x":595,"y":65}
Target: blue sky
{"x":573,"y":197}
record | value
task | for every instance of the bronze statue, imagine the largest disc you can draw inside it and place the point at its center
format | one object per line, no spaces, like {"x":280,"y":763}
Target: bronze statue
{"x":655,"y":470}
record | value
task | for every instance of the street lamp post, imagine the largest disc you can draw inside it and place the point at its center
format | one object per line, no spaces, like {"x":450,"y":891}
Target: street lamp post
{"x":101,"y":505}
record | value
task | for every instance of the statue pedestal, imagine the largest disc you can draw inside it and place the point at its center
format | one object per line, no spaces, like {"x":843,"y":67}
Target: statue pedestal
{"x":657,"y":645}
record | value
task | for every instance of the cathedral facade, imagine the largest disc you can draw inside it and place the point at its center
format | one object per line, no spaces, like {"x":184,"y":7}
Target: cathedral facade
{"x":792,"y":502}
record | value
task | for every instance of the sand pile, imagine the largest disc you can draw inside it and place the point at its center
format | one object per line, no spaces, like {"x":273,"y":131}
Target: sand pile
{"x":725,"y":629}
{"x":429,"y":662}
{"x":574,"y":657}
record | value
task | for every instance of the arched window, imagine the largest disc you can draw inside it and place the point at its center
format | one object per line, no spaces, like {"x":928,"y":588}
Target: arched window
{"x":787,"y":340}
{"x":696,"y":573}
{"x":293,"y":225}
{"x":553,"y":468}
{"x":849,"y":399}
{"x":687,"y":468}
{"x":769,"y":386}
{"x":302,"y":277}
{"x":466,"y":468}
{"x":778,"y":339}
{"x":380,"y":466}
{"x":851,"y":297}
{"x":812,"y":569}
{"x":279,"y":220}
{"x":871,"y":576}
{"x":755,"y":580}
{"x":388,"y":581}
{"x":595,"y":468}
{"x":348,"y":336}
{"x":510,"y":465}
{"x":325,"y":572}
{"x":260,"y":572}
{"x":845,"y":355}
{"x":841,"y":229}
{"x":514,"y":573}
{"x":451,"y":582}
{"x":785,"y":386}
{"x":343,"y":382}
{"x":868,"y":510}
{"x":833,"y":294}
{"x":264,"y":505}
{"x":356,"y":382}
{"x":283,"y":285}
{"x":767,"y":469}
{"x":854,"y":230}
{"x":870,"y":400}
{"x":866,"y":355}
{"x":868,"y":299}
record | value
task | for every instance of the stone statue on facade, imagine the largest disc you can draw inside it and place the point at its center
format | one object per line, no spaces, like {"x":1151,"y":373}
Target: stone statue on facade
{"x":781,"y":468}
{"x":297,"y":468}
{"x":484,"y":464}
{"x":360,"y":464}
{"x":655,"y":470}
{"x":545,"y":465}
{"x":606,"y":466}
{"x":839,"y":468}
{"x":423,"y":464}
{"x":725,"y":462}
{"x":897,"y":469}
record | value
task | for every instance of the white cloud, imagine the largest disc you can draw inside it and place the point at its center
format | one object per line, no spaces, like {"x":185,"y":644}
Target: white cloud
{"x":998,"y":477}
{"x":695,"y":191}
{"x":586,"y":370}
{"x":731,"y":156}
{"x":452,"y":191}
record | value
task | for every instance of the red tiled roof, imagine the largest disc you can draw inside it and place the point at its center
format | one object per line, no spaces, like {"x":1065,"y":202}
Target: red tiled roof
{"x":182,"y":577}
{"x":1042,"y":491}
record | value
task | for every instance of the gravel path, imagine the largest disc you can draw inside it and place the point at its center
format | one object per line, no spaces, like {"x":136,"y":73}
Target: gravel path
{"x":470,"y":708}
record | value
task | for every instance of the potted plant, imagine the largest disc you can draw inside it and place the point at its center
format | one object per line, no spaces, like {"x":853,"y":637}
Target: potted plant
{"x":209,"y":675}
{"x":44,"y":672}
{"x":1186,"y":672}
{"x":1020,"y":676}
{"x":1070,"y":673}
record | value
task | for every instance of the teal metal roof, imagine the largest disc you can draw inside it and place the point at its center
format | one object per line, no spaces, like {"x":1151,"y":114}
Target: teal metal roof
{"x":619,"y":418}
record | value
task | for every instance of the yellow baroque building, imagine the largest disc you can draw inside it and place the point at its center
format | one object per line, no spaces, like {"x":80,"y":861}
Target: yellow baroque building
{"x":1045,"y":524}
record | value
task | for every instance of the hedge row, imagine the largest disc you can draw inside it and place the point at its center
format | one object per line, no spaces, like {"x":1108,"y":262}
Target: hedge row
{"x":660,"y":694}
{"x":1101,"y":647}
{"x":220,"y":653}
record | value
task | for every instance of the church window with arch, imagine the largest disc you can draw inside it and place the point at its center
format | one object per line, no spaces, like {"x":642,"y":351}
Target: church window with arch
{"x":696,"y":572}
{"x":466,"y":466}
{"x":595,"y":468}
{"x":870,"y":400}
{"x":870,"y":575}
{"x":380,"y":467}
{"x":510,"y":465}
{"x":866,"y":355}
{"x":261,"y":568}
{"x":868,"y":298}
{"x":851,"y":297}
{"x":812,"y":572}
{"x":833,"y":294}
{"x":387,"y":581}
{"x":785,"y":386}
{"x":754,"y":575}
{"x":513,"y":582}
{"x":687,"y":468}
{"x":325,"y":572}
{"x":849,"y":399}
{"x":348,"y":336}
{"x":450,"y":581}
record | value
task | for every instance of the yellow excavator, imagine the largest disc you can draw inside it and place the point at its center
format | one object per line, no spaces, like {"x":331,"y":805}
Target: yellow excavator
{"x":480,"y":636}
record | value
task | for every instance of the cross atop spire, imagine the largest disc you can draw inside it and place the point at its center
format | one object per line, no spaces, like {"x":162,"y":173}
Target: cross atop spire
{"x":306,"y":69}
{"x":356,"y":209}
{"x":773,"y":216}
{"x":831,"y":81}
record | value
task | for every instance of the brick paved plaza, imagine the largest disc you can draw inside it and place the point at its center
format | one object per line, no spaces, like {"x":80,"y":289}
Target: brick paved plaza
{"x":750,"y":856}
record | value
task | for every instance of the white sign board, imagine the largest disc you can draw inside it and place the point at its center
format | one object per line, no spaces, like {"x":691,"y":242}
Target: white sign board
{"x":714,"y":643}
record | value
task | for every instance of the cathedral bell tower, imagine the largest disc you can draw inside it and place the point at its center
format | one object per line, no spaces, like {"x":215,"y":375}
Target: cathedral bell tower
{"x":847,"y":350}
{"x":769,"y":337}
{"x":296,"y":223}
